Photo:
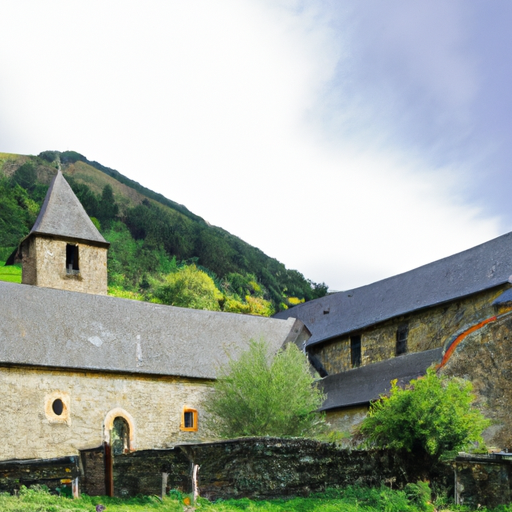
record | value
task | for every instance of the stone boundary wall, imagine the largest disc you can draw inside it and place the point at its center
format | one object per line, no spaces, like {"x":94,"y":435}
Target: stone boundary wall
{"x":62,"y":473}
{"x":483,"y":481}
{"x":268,"y":468}
{"x":92,"y":472}
{"x":151,"y":472}
{"x":264,"y":468}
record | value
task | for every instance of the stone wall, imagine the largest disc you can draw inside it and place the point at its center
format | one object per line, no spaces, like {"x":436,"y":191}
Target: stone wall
{"x":347,"y":419}
{"x":427,"y":329}
{"x":482,"y":481}
{"x":92,"y":478}
{"x":152,"y":404}
{"x":151,"y":472}
{"x":485,"y":358}
{"x":269,"y":468}
{"x":54,"y":473}
{"x":266,"y":468}
{"x":44,"y":264}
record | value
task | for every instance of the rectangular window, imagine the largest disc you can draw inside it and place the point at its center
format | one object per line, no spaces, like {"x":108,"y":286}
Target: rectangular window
{"x":189,"y":419}
{"x":401,"y":340}
{"x":72,"y":259}
{"x":355,"y":351}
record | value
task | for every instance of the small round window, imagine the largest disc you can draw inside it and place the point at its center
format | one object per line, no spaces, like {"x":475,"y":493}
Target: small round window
{"x":58,"y":407}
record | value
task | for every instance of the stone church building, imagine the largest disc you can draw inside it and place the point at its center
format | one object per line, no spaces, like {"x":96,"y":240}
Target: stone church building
{"x":454,"y":314}
{"x":80,"y":369}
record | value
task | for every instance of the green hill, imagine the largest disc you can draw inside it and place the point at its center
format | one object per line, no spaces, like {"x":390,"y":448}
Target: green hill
{"x":153,"y":239}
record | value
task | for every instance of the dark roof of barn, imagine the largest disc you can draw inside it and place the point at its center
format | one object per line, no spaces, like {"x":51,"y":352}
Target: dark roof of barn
{"x":63,"y":215}
{"x":61,"y":329}
{"x":479,"y":268}
{"x":362,"y":385}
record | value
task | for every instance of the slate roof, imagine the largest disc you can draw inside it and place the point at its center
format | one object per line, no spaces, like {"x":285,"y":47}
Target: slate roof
{"x":57,"y":328}
{"x":63,"y":215}
{"x":479,"y":268}
{"x":362,"y":385}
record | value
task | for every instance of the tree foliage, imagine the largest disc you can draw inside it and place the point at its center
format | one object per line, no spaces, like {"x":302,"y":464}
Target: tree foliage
{"x":18,"y":213}
{"x":189,"y":287}
{"x":261,"y":395}
{"x":25,"y":176}
{"x":431,"y":416}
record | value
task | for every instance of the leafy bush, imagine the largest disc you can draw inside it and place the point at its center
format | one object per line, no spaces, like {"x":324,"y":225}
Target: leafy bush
{"x":262,"y":395}
{"x":189,"y":287}
{"x":432,"y":416}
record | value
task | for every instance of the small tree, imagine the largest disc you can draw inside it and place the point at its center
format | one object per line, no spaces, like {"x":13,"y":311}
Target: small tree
{"x":261,"y":395}
{"x":189,"y":287}
{"x":432,"y":416}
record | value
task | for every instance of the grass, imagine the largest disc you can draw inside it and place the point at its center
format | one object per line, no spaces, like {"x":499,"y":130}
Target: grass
{"x":11,"y":273}
{"x":351,"y":499}
{"x":117,"y":291}
{"x":7,"y":156}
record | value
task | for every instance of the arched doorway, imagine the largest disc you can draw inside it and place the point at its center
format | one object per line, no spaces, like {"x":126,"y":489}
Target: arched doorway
{"x":118,"y":435}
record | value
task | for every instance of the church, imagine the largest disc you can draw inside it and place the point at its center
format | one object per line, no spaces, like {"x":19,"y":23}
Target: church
{"x":454,"y":314}
{"x":80,"y":369}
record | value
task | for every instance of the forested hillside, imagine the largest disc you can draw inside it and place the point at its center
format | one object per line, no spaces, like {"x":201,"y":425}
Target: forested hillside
{"x":160,"y":251}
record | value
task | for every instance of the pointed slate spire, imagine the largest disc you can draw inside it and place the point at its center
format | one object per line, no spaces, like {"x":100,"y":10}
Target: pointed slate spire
{"x":63,"y":215}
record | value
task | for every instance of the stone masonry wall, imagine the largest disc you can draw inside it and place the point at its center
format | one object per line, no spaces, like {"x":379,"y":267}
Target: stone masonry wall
{"x":482,"y":482}
{"x":54,"y":473}
{"x":485,"y":358}
{"x":30,"y":429}
{"x":147,"y":472}
{"x":428,"y":329}
{"x":346,"y":419}
{"x":44,"y":264}
{"x":268,"y":468}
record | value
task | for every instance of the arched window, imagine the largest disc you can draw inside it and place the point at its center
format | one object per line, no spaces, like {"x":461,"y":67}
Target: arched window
{"x":119,"y":424}
{"x":120,"y":436}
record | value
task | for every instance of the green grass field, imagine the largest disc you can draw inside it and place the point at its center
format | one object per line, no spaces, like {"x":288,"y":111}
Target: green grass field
{"x":11,"y":273}
{"x":351,"y":499}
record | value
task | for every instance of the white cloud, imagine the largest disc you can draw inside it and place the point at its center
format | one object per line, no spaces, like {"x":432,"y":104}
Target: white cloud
{"x":223,"y":106}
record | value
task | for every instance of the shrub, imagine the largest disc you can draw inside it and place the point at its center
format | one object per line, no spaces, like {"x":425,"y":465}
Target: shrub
{"x":261,"y":395}
{"x":189,"y":287}
{"x":432,"y":416}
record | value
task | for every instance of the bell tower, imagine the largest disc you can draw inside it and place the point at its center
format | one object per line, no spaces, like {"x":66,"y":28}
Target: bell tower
{"x":64,"y":249}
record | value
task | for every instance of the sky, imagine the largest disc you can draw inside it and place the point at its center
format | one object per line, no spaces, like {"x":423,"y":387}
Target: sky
{"x":350,"y":140}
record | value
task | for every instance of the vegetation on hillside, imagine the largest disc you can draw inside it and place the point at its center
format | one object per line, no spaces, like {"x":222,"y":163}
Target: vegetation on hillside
{"x":265,"y":394}
{"x":12,"y":273}
{"x":433,"y":416}
{"x":152,"y":239}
